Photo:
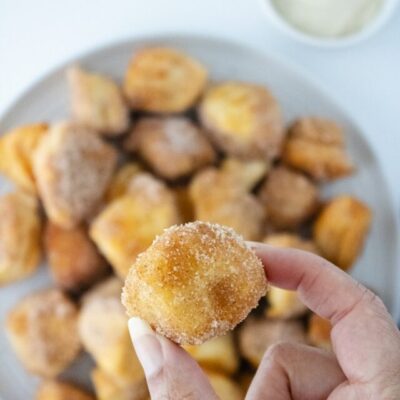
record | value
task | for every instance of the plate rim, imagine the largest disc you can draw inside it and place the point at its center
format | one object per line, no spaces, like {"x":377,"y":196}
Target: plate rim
{"x":289,"y":66}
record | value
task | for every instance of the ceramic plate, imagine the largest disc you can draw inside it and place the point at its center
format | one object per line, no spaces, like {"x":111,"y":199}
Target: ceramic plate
{"x":48,"y":100}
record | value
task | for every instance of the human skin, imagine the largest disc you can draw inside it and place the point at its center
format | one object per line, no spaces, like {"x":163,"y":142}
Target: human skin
{"x":365,"y":340}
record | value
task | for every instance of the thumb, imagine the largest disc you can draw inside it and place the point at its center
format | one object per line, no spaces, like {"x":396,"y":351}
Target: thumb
{"x":170,"y":372}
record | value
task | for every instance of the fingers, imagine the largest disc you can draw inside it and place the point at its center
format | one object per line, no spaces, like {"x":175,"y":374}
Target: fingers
{"x":364,"y":337}
{"x":170,"y":372}
{"x":324,"y":288}
{"x":295,"y":372}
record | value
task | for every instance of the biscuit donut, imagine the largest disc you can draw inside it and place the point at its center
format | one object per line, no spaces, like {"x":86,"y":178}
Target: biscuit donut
{"x":196,"y":281}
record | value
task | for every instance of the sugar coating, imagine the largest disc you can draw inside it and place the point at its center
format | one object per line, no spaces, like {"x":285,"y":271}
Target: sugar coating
{"x":172,"y":146}
{"x":73,"y":167}
{"x":221,"y":197}
{"x":146,"y":186}
{"x":196,"y":281}
{"x":81,"y":175}
{"x":43,"y":331}
{"x":129,"y":224}
{"x":316,"y":146}
{"x":289,"y":197}
{"x":181,"y":136}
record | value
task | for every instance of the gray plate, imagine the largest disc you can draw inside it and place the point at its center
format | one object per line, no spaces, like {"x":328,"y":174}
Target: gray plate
{"x":48,"y":100}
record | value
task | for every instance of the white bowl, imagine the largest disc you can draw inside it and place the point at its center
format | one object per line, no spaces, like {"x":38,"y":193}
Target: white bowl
{"x":286,"y":27}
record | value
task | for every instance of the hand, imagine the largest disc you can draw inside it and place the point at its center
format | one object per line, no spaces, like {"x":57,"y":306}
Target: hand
{"x":366,"y":343}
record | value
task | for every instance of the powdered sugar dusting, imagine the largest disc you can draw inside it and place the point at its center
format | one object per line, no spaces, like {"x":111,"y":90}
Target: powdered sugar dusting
{"x":144,"y":184}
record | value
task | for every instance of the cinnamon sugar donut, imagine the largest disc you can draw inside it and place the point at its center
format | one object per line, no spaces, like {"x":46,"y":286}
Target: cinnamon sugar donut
{"x":97,"y":102}
{"x":163,"y":80}
{"x":196,"y":281}
{"x":43,"y":331}
{"x":173,"y":146}
{"x":72,"y":168}
{"x":243,"y":120}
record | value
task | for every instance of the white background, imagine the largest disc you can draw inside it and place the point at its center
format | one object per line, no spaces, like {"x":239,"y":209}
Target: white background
{"x":37,"y":35}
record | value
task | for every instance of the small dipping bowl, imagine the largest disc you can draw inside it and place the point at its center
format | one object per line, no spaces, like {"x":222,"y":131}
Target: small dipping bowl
{"x":280,"y":22}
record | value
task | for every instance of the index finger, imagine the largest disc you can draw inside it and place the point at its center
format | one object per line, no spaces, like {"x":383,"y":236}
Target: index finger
{"x":323,"y":287}
{"x":359,"y":318}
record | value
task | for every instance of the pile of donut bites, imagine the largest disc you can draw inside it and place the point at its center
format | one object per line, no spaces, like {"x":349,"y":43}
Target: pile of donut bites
{"x":167,"y":147}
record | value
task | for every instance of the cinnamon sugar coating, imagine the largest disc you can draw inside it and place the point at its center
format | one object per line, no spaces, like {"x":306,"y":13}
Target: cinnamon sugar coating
{"x":173,"y":146}
{"x":316,"y":146}
{"x":129,"y":224}
{"x":196,"y":281}
{"x":73,"y":168}
{"x":43,"y":331}
{"x":289,"y":198}
{"x":222,"y":196}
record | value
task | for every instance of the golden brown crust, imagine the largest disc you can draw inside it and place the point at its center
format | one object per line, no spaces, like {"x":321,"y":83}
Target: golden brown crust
{"x":316,"y":147}
{"x":121,"y":180}
{"x":243,"y":119}
{"x":289,"y":198}
{"x":57,"y":390}
{"x":109,"y":288}
{"x":284,"y":304}
{"x":341,"y":229}
{"x":319,"y":332}
{"x":16,"y":154}
{"x":97,"y":102}
{"x":20,"y":236}
{"x":222,"y":197}
{"x":224,"y":387}
{"x":72,"y":167}
{"x":74,"y":261}
{"x":107,"y":388}
{"x":103,"y":329}
{"x":163,"y":80}
{"x":257,"y":335}
{"x":42,"y":329}
{"x":248,"y":173}
{"x":173,"y":146}
{"x":128,"y":225}
{"x":196,"y":281}
{"x":217,"y":354}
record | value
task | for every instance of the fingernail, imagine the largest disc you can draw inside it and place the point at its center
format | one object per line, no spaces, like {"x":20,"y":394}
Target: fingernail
{"x":147,"y":346}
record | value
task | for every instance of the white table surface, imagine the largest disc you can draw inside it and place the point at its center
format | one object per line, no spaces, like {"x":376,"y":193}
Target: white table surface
{"x":37,"y":35}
